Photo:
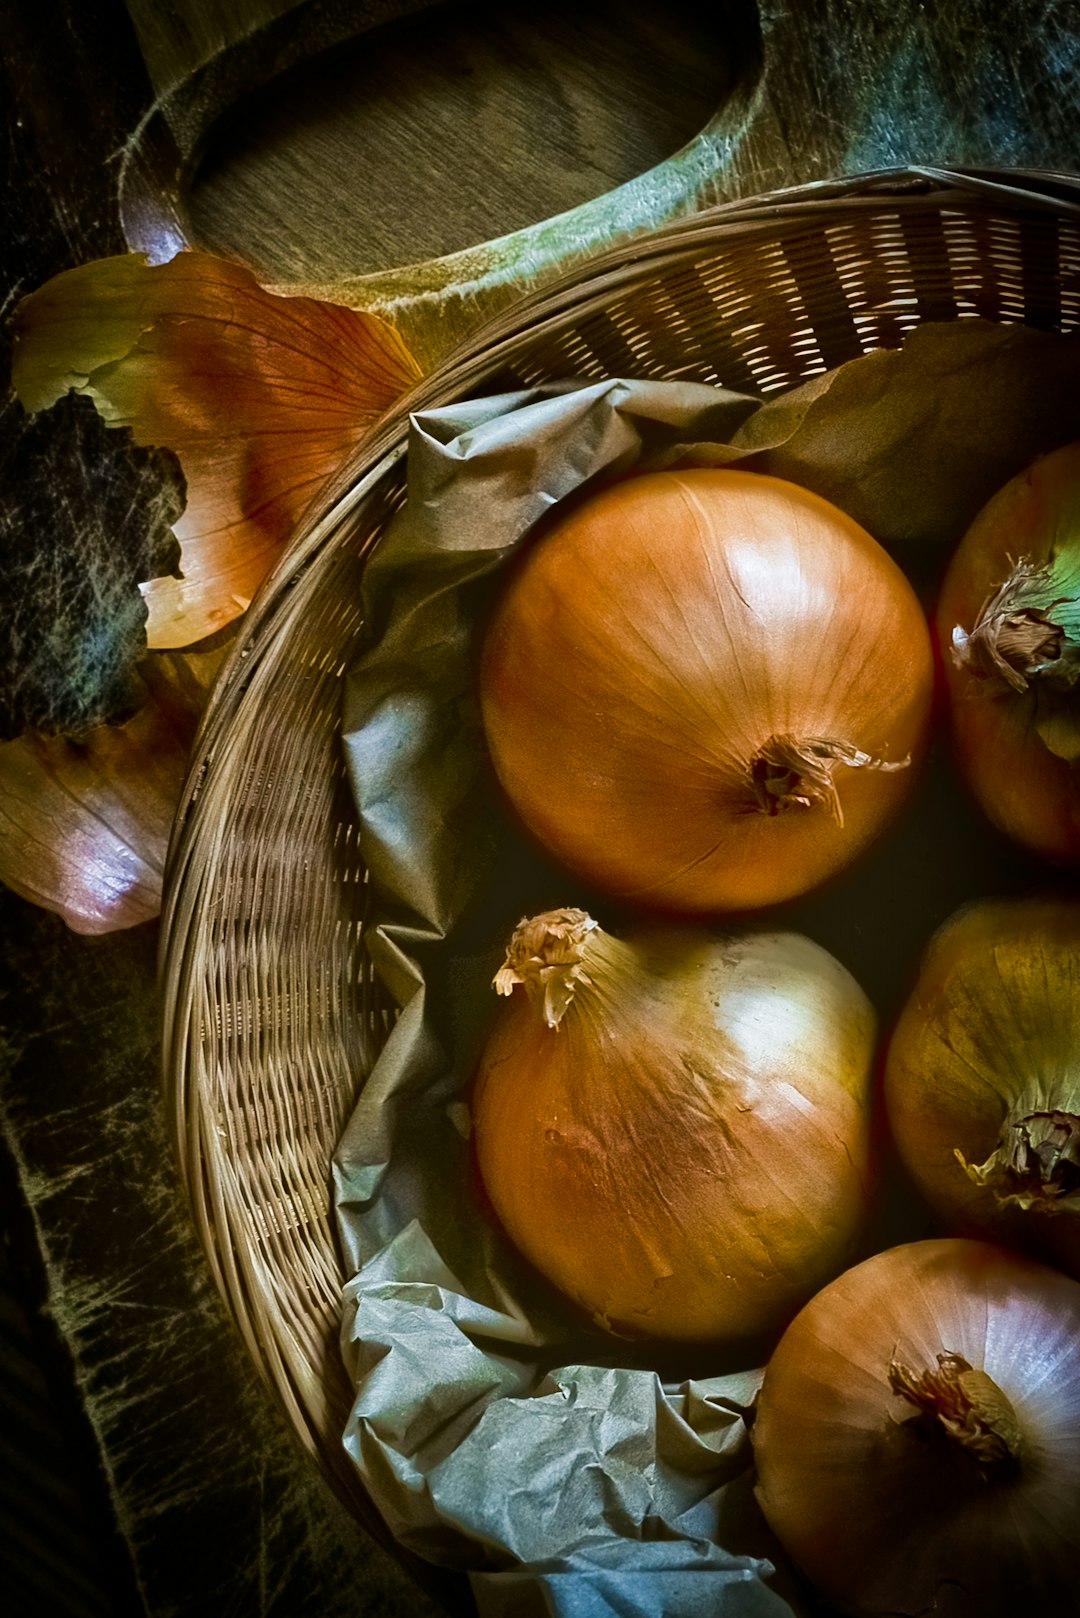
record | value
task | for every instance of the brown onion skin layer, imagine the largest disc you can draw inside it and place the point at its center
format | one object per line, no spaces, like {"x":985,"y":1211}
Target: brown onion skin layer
{"x":883,"y":1522}
{"x":655,"y":638}
{"x":990,"y":1028}
{"x":1023,"y":788}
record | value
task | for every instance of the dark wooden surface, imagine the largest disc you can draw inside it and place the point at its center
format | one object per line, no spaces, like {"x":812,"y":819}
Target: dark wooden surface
{"x":179,"y":1485}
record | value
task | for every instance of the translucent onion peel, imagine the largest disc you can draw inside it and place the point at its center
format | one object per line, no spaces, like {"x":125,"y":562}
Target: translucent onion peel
{"x":1008,"y":620}
{"x":260,"y":396}
{"x":704,"y":689}
{"x":982,"y":1082}
{"x":85,"y":823}
{"x":673,"y":1126}
{"x":916,"y":1435}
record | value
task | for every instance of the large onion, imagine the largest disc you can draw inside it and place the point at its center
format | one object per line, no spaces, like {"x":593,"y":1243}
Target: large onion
{"x":673,"y":1127}
{"x":982,"y":1081}
{"x":701,"y":688}
{"x":1008,"y":620}
{"x":917,"y":1436}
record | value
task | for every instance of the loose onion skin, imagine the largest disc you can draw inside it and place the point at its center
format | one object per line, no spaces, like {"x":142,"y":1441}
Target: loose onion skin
{"x":673,"y":1127}
{"x":982,"y":1081}
{"x":916,"y":1435}
{"x":702,"y":688}
{"x":1008,"y":623}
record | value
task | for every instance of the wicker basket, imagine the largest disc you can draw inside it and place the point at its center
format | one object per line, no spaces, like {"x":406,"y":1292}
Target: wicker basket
{"x":272,"y":1018}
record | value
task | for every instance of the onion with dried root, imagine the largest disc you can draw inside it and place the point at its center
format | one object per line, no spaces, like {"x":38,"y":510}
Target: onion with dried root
{"x":917,"y":1436}
{"x":1008,"y":620}
{"x":674,"y":1126}
{"x":982,"y":1081}
{"x":704,"y":689}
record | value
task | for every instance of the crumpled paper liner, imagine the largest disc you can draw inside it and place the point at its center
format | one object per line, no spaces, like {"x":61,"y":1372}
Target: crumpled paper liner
{"x":493,"y":1429}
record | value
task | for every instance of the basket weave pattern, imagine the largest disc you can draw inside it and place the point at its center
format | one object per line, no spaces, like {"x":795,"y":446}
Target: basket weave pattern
{"x":272,"y":1017}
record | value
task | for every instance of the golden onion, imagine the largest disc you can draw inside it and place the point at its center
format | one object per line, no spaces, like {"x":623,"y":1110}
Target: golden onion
{"x":674,"y":1126}
{"x":981,"y":1080}
{"x":916,"y":1435}
{"x":1008,"y":620}
{"x":702,"y":689}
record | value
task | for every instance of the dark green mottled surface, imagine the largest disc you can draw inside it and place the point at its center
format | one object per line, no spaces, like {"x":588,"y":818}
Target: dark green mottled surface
{"x":82,"y":515}
{"x":146,"y":1414}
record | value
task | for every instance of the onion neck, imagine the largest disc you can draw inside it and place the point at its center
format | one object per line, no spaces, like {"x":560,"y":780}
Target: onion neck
{"x":1015,"y":638}
{"x":1026,"y":637}
{"x":1036,"y":1163}
{"x":546,"y":956}
{"x":792,"y":773}
{"x":1020,"y":635}
{"x":965,"y":1408}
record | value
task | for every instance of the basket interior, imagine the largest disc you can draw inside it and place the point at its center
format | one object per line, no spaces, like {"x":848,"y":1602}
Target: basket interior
{"x":272,"y":1016}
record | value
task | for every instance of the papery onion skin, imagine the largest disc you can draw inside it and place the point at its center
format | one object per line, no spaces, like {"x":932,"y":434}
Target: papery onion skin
{"x":686,"y":1154}
{"x":1014,"y":712}
{"x":984,"y":1062}
{"x":885,"y":1512}
{"x":653,"y":659}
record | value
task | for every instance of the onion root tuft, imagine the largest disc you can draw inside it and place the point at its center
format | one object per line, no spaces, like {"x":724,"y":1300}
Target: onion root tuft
{"x":1036,"y":1164}
{"x":790,"y":774}
{"x":965,"y":1405}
